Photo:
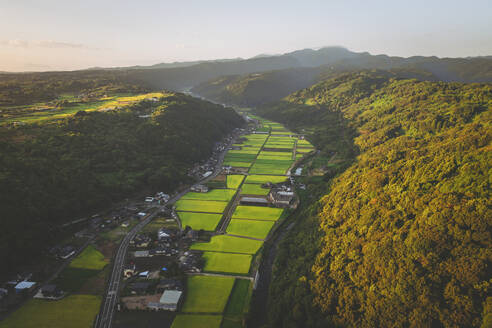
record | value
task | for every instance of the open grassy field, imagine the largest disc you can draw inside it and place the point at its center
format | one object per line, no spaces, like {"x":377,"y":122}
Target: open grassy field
{"x":234,"y":181}
{"x":257,"y":213}
{"x":197,"y":321}
{"x":223,"y":195}
{"x":90,"y":258}
{"x":250,"y":228}
{"x":72,"y":311}
{"x":264,"y":179}
{"x":239,"y":298}
{"x":193,"y":205}
{"x":229,"y":244}
{"x":207,"y":294}
{"x":197,"y":221}
{"x":227,"y":262}
{"x":254,"y":189}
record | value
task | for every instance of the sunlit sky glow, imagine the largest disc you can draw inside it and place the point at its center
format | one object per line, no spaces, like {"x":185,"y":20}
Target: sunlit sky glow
{"x":62,"y":35}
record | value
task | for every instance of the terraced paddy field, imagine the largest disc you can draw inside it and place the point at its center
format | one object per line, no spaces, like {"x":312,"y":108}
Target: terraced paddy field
{"x":77,"y":310}
{"x":257,"y":213}
{"x":227,"y":262}
{"x":208,"y":206}
{"x":197,"y":321}
{"x":229,"y":244}
{"x":206,"y":294}
{"x":223,"y":195}
{"x":250,"y":228}
{"x":264,"y":179}
{"x":197,"y":221}
{"x":254,"y":189}
{"x":234,"y":181}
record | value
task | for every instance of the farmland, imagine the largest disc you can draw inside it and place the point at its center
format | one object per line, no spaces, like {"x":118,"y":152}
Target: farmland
{"x":254,"y":189}
{"x":78,"y":310}
{"x":90,"y":259}
{"x":227,"y":262}
{"x":250,"y":228}
{"x":197,"y":221}
{"x":257,"y":213}
{"x":234,"y":181}
{"x":196,"y":321}
{"x":192,"y":205}
{"x":207,"y":294}
{"x":264,"y":179}
{"x":223,"y":195}
{"x":229,"y":244}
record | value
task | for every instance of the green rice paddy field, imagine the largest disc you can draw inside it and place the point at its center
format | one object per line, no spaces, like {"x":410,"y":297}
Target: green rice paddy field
{"x":207,"y":294}
{"x":264,"y":179}
{"x":223,"y":195}
{"x":208,"y":206}
{"x":254,"y":189}
{"x":250,"y":228}
{"x":197,"y":221}
{"x":197,"y":321}
{"x":229,"y":244}
{"x":227,"y":262}
{"x":77,"y":310}
{"x":257,"y":213}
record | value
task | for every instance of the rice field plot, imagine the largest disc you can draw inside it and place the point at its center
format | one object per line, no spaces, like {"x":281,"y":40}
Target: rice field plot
{"x":264,"y":179}
{"x":75,"y":310}
{"x":206,"y":294}
{"x":257,"y":213}
{"x":279,"y":169}
{"x":303,"y":142}
{"x":229,"y":244}
{"x":227,"y":262}
{"x":198,"y":221}
{"x":279,"y":162}
{"x":299,"y":156}
{"x":278,"y":146}
{"x":254,"y":189}
{"x":207,"y":206}
{"x":304,"y":150}
{"x":250,"y":228}
{"x":90,"y":259}
{"x":237,"y":164}
{"x":286,"y":157}
{"x":197,"y":321}
{"x":234,"y":181}
{"x":239,"y":299}
{"x":224,"y":195}
{"x":240,"y":157}
{"x":245,"y":151}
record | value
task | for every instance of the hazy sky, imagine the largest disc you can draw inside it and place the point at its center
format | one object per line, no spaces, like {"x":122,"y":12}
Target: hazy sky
{"x":69,"y":34}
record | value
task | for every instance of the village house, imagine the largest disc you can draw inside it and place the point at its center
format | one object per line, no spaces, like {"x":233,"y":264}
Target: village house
{"x":282,"y":198}
{"x":199,"y":188}
{"x":169,"y":301}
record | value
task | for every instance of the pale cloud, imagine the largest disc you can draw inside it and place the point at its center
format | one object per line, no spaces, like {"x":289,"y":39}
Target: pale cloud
{"x":44,"y":44}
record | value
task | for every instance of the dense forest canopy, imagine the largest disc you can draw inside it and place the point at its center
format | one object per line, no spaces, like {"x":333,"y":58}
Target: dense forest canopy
{"x":404,"y":233}
{"x":56,"y":171}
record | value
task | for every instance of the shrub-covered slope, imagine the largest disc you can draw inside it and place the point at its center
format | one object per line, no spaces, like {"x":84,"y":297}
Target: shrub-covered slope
{"x":52,"y":172}
{"x":406,"y":235}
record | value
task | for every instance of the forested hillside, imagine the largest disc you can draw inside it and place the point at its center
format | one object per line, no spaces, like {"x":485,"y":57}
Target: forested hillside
{"x":402,"y":237}
{"x":59,"y":170}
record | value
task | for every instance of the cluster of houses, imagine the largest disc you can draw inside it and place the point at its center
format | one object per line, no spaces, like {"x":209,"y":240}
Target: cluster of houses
{"x":280,"y":195}
{"x":160,"y":198}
